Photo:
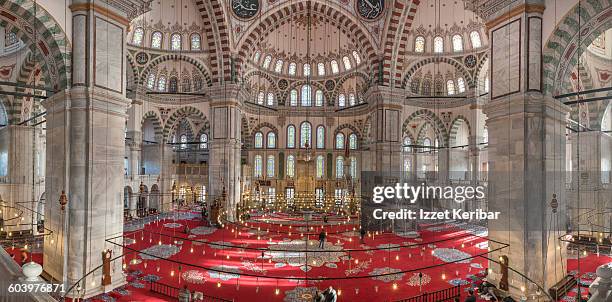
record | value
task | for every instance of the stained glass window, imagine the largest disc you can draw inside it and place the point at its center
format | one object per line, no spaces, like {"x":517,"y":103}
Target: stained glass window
{"x":290,"y":136}
{"x":279,"y":66}
{"x":161,"y":83}
{"x":156,"y":40}
{"x":151,"y":81}
{"x":419,"y":44}
{"x":319,"y":98}
{"x":270,"y":166}
{"x":306,"y":95}
{"x":257,"y":57}
{"x":197,"y":82}
{"x":406,"y":147}
{"x":305,"y":135}
{"x":258,"y":166}
{"x":457,"y":43}
{"x":293,"y":98}
{"x":320,"y":137}
{"x":339,"y":167}
{"x":339,"y":141}
{"x":271,"y":141}
{"x":485,"y":136}
{"x":291,"y":166}
{"x":186,"y":84}
{"x":173,"y":85}
{"x":196,"y":42}
{"x":353,"y":167}
{"x":203,"y":141}
{"x":475,"y":38}
{"x":438,"y":45}
{"x":356,"y":57}
{"x":270,"y":99}
{"x":267,"y":61}
{"x":352,"y":99}
{"x":334,"y":67}
{"x":427,"y":144}
{"x":260,"y":98}
{"x":258,"y":140}
{"x":347,"y":63}
{"x":353,"y":141}
{"x":320,"y":166}
{"x":306,"y":69}
{"x":137,"y":38}
{"x":183,"y":141}
{"x":450,"y":87}
{"x":292,"y":68}
{"x":321,"y":69}
{"x":342,"y":100}
{"x":461,"y":85}
{"x":176,"y":41}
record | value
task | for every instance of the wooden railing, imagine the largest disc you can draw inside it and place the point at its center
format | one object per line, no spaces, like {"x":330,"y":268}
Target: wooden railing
{"x":447,"y":294}
{"x":173,"y":292}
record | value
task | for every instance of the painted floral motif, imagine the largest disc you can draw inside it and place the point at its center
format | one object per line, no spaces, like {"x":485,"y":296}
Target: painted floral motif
{"x":194,"y":277}
{"x":151,"y":277}
{"x":457,"y":281}
{"x":362,"y":266}
{"x":252,"y":266}
{"x":227,"y":272}
{"x":389,"y":247}
{"x":476,"y":265}
{"x":122,"y":291}
{"x":172,"y":225}
{"x":157,"y":251}
{"x":451,"y":255}
{"x":300,"y":294}
{"x":331,"y":265}
{"x":203,"y":230}
{"x":384,"y":271}
{"x":292,"y":253}
{"x":415,"y":280}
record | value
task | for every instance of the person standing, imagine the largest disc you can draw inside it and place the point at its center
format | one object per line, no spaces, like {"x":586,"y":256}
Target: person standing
{"x":322,"y":239}
{"x":362,"y":234}
{"x":330,"y":294}
{"x":471,"y":297}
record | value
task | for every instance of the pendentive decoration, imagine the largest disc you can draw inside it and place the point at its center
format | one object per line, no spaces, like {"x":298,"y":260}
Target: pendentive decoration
{"x":370,"y":9}
{"x":245,"y":9}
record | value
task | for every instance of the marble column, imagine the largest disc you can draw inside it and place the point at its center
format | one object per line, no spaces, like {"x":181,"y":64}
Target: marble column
{"x":85,"y":149}
{"x":225,"y":146}
{"x":526,"y":153}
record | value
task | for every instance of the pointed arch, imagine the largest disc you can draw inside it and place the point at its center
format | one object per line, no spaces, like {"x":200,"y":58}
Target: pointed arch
{"x":195,"y":116}
{"x":433,"y":119}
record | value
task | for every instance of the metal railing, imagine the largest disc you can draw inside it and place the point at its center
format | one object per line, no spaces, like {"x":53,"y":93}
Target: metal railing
{"x":447,"y":294}
{"x":173,"y":292}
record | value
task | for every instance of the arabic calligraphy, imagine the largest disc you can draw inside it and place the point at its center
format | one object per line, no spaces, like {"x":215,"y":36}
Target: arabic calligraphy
{"x":245,"y":8}
{"x":370,"y":9}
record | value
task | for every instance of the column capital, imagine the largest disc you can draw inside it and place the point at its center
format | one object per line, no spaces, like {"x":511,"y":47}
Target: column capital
{"x":525,"y":103}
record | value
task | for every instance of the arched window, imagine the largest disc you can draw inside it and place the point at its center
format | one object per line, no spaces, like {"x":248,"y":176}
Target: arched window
{"x":321,"y":68}
{"x":352,"y":101}
{"x":305,"y":135}
{"x":406,"y":146}
{"x":270,"y":99}
{"x":270,"y":166}
{"x":353,"y":141}
{"x":151,"y":81}
{"x":320,"y":137}
{"x":438,"y":44}
{"x":257,"y":57}
{"x":258,"y":166}
{"x":267,"y":61}
{"x":450,"y":87}
{"x":258,"y":140}
{"x":173,"y":85}
{"x":334,"y":67}
{"x":279,"y":66}
{"x":427,"y":144}
{"x":353,"y":167}
{"x":306,"y":95}
{"x":306,"y":70}
{"x":186,"y":85}
{"x":419,"y":44}
{"x":339,"y":141}
{"x":138,"y":35}
{"x":161,"y":83}
{"x":347,"y":63}
{"x":183,"y":141}
{"x":290,"y":136}
{"x":271,"y":140}
{"x":156,"y":40}
{"x":475,"y":38}
{"x":291,"y":166}
{"x":176,"y":41}
{"x":320,"y":166}
{"x":341,"y":100}
{"x":293,"y":98}
{"x":196,"y":42}
{"x":339,"y":167}
{"x":203,"y":141}
{"x":319,"y":98}
{"x":292,"y":68}
{"x":457,"y":43}
{"x":485,"y":136}
{"x":461,"y":85}
{"x":260,"y":98}
{"x":356,"y":57}
{"x":197,"y":82}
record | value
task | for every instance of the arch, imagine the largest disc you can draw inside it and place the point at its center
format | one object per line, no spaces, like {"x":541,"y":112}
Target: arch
{"x":353,"y":129}
{"x":356,"y":74}
{"x":154,"y":118}
{"x":195,"y":115}
{"x":402,"y":13}
{"x":264,"y":125}
{"x":175,"y":57}
{"x":217,"y":29}
{"x":284,"y":12}
{"x":52,"y":47}
{"x":26,"y":75}
{"x":431,"y":117}
{"x":438,"y":59}
{"x":562,"y":52}
{"x":452,"y":137}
